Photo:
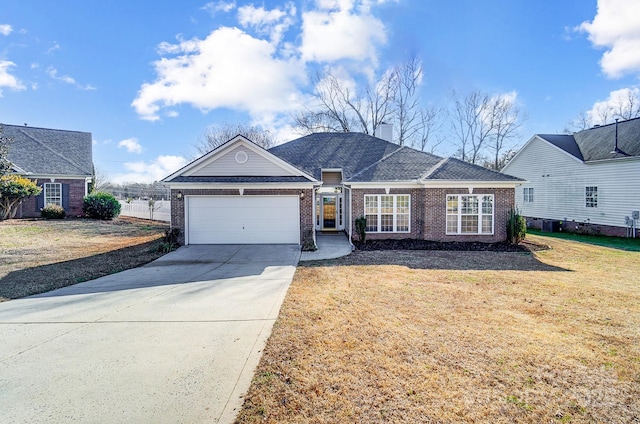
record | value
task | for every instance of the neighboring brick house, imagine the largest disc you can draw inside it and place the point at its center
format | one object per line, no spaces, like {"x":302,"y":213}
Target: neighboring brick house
{"x":241,"y":193}
{"x":59,"y":161}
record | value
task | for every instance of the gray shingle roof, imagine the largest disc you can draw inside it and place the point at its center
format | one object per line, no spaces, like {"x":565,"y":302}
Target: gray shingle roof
{"x":599,"y":143}
{"x":455,"y":169}
{"x":43,"y":151}
{"x":235,"y":179}
{"x":364,"y":158}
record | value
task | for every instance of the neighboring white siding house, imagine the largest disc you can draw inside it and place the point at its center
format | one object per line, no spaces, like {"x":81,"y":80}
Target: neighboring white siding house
{"x":581,"y":178}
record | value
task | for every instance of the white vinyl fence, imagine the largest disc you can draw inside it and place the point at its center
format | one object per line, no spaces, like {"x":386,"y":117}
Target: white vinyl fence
{"x":160,"y":211}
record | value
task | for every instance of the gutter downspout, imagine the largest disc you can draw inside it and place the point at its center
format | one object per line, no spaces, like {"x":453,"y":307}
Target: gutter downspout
{"x":350,"y":232}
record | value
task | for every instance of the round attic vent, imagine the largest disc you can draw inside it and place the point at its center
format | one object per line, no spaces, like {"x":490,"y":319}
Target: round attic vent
{"x":241,"y":157}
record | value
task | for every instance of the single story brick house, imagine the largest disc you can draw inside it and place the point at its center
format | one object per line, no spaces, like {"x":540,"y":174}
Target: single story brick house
{"x":59,"y":161}
{"x":242,"y":193}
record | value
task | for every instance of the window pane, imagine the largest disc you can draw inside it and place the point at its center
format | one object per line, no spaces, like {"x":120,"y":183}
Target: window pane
{"x":591,"y":197}
{"x":402,"y":204}
{"x":370,"y":204}
{"x":469,"y":224}
{"x":372,"y":223}
{"x":403,"y":222}
{"x":386,"y":204}
{"x":487,"y":204}
{"x":469,"y":205}
{"x":452,"y":204}
{"x":386,"y":223}
{"x":487,"y":224}
{"x":452,"y":224}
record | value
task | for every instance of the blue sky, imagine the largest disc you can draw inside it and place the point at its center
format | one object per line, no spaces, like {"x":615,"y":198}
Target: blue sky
{"x":146,"y":78}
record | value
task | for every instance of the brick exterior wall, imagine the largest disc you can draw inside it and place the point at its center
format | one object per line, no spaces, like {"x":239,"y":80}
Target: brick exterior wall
{"x":306,"y":206}
{"x":429,"y":212}
{"x":76,"y":188}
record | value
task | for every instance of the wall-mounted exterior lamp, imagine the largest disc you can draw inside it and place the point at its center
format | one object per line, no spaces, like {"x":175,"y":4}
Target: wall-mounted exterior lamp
{"x":302,"y":195}
{"x":179,"y":195}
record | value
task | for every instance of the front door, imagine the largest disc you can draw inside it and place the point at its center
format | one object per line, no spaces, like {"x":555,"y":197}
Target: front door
{"x":329,"y":212}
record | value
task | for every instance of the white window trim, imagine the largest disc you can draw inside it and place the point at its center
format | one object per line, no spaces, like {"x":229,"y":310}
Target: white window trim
{"x":47,"y":187}
{"x":528,"y":194}
{"x":480,"y":215}
{"x":395,"y":213}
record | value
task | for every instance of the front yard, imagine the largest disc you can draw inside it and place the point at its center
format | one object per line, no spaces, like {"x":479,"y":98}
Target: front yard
{"x":415,"y":336}
{"x":42,"y":255}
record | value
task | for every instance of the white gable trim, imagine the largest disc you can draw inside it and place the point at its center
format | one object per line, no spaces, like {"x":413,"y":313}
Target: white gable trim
{"x":239,"y":140}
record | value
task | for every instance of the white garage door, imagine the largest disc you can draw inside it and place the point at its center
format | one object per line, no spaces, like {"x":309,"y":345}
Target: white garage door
{"x":242,"y":219}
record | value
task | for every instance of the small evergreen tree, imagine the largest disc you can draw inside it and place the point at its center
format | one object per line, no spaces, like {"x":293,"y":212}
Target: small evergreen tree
{"x":516,"y":227}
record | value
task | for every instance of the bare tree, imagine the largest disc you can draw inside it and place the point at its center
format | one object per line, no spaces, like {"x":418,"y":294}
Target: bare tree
{"x":215,"y":136}
{"x":341,"y":109}
{"x":410,"y":118}
{"x":426,"y":138}
{"x":99,"y":180}
{"x":472,"y":124}
{"x":625,"y":105}
{"x":5,"y":142}
{"x":506,"y":119}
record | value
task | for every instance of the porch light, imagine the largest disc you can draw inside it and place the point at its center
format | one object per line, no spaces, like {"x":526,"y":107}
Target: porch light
{"x":302,"y":195}
{"x":179,"y":195}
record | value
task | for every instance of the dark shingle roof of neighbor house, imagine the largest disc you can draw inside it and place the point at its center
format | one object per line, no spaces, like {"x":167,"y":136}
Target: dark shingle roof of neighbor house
{"x":599,"y":143}
{"x":43,"y":151}
{"x":364,"y":158}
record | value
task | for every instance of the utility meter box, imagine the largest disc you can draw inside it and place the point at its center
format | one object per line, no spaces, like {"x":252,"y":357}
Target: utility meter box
{"x":635,"y":215}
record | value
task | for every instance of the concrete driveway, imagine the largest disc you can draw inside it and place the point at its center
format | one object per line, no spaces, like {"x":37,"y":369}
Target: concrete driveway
{"x":175,"y":341}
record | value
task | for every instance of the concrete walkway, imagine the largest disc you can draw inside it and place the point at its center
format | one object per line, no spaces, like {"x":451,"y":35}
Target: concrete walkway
{"x":176,"y":341}
{"x":330,"y":246}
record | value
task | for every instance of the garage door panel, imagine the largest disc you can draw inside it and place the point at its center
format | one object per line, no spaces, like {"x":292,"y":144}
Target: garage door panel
{"x":243,"y":219}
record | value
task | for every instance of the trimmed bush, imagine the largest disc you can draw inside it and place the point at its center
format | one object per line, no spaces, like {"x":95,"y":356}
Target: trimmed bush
{"x":101,"y":206}
{"x":516,"y":227}
{"x":53,"y":212}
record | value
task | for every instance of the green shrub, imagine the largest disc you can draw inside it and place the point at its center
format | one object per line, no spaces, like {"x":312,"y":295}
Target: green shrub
{"x":101,"y":205}
{"x":169,"y":241}
{"x":53,"y":212}
{"x":516,"y":227}
{"x":361,"y":228}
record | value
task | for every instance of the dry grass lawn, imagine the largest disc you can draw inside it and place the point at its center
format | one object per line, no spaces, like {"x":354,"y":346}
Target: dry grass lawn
{"x":42,"y":255}
{"x":452,"y":337}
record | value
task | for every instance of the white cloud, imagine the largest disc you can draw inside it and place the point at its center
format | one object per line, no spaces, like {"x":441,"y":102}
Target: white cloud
{"x":219,"y":6}
{"x":616,"y":27}
{"x":131,"y":144}
{"x":148,"y":172}
{"x":229,"y":69}
{"x":53,"y":73}
{"x":273,"y":22}
{"x":8,"y":80}
{"x":5,"y":29}
{"x":53,"y":48}
{"x":341,"y":29}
